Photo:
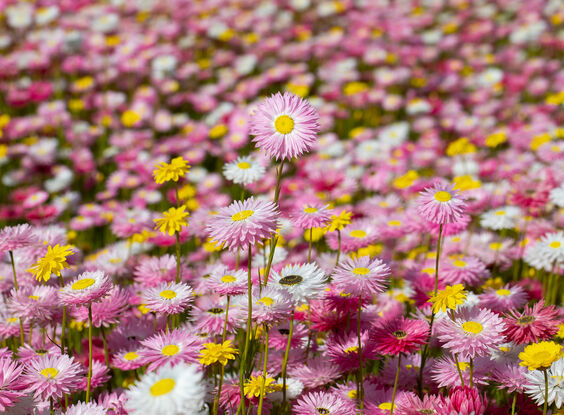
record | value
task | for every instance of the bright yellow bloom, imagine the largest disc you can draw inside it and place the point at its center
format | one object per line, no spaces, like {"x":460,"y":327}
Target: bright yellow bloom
{"x":222,"y":353}
{"x":338,"y":222}
{"x":460,"y":146}
{"x":495,"y":139}
{"x":174,"y":170}
{"x":540,"y":355}
{"x":450,"y":297}
{"x":254,"y":385}
{"x":172,"y":220}
{"x":560,"y":333}
{"x":462,"y":183}
{"x":405,"y":181}
{"x":129,"y":118}
{"x":54,"y":261}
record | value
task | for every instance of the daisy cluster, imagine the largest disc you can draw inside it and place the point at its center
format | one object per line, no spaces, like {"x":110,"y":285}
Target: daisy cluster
{"x":310,"y":207}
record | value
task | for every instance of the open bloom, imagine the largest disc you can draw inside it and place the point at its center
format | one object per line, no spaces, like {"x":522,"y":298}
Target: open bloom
{"x":243,"y":223}
{"x":285,"y":126}
{"x":222,"y":353}
{"x":534,"y":324}
{"x":53,"y":262}
{"x":164,"y":172}
{"x":168,"y":298}
{"x":15,"y":237}
{"x":52,"y":376}
{"x":303,"y":281}
{"x":535,"y":384}
{"x":244,"y":170}
{"x":450,"y":297}
{"x":440,"y":204}
{"x":172,"y":220}
{"x":87,"y":287}
{"x":10,"y":383}
{"x":315,"y":403}
{"x":361,"y":276}
{"x":400,"y":336}
{"x":540,"y":355}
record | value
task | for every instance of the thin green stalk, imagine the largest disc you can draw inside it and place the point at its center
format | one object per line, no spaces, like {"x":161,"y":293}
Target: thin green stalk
{"x":545,"y":407}
{"x":286,"y":355}
{"x":458,"y":368}
{"x":216,"y":400}
{"x":513,"y":405}
{"x":339,"y":250}
{"x":22,"y":338}
{"x":241,"y":408}
{"x":273,"y":243}
{"x":264,"y":373}
{"x":278,"y":182}
{"x":395,"y":385}
{"x":63,"y":329}
{"x":89,"y":384}
{"x":360,"y":391}
{"x":471,"y":372}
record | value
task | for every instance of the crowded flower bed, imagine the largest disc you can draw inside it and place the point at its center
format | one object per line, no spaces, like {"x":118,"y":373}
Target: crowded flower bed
{"x":306,"y":207}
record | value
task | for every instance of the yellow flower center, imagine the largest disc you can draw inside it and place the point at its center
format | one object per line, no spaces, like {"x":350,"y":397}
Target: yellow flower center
{"x":170,"y":350}
{"x":267,"y":301}
{"x":495,"y":246}
{"x":162,"y":387}
{"x":228,"y":278}
{"x":49,"y":372}
{"x":130,"y":356}
{"x":310,"y":210}
{"x":394,"y":223}
{"x":542,"y":356}
{"x":351,"y":350}
{"x":83,"y":283}
{"x":386,"y":406}
{"x":12,"y":320}
{"x":168,"y":294}
{"x":352,"y":394}
{"x":500,"y":213}
{"x":472,"y":327}
{"x":244,"y":214}
{"x":463,"y":366}
{"x":33,"y":297}
{"x":442,"y":196}
{"x":360,"y":271}
{"x":555,"y":244}
{"x":358,"y":233}
{"x":284,"y":124}
{"x":503,"y":292}
{"x":244,"y":165}
{"x":458,"y":263}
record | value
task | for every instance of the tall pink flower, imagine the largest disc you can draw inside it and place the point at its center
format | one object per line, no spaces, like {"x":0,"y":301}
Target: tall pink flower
{"x":285,"y":126}
{"x":400,"y":336}
{"x":440,"y":204}
{"x":52,"y":376}
{"x":10,"y":383}
{"x":14,"y":237}
{"x":361,"y":276}
{"x":534,"y":324}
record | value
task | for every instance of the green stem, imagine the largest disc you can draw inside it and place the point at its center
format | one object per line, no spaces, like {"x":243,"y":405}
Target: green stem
{"x":471,"y":372}
{"x":273,"y":243}
{"x":360,"y":391}
{"x":278,"y":182}
{"x":339,"y":250}
{"x":241,"y":408}
{"x":285,"y":361}
{"x":225,"y":324}
{"x":513,"y":405}
{"x":395,"y":385}
{"x":310,"y":244}
{"x":216,"y":400}
{"x":264,"y":374}
{"x":458,"y":368}
{"x":22,"y":338}
{"x":545,"y":407}
{"x":437,"y":260}
{"x":89,"y":384}
{"x":63,"y":329}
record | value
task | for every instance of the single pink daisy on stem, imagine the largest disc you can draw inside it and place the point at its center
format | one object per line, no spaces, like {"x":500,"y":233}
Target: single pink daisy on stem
{"x":285,"y":126}
{"x":52,"y":376}
{"x":533,"y":324}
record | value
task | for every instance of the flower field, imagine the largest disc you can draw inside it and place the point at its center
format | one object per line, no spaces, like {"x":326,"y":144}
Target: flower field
{"x":309,"y":207}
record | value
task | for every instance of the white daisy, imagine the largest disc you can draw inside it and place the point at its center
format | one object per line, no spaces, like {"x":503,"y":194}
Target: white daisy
{"x":302,"y":281}
{"x":535,"y":386}
{"x":501,"y":218}
{"x":557,"y":196}
{"x":243,"y":171}
{"x":170,"y":391}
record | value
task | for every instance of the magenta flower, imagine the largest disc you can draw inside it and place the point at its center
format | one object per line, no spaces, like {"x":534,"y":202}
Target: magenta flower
{"x":463,"y":400}
{"x":534,"y":324}
{"x":11,"y":385}
{"x":285,"y":126}
{"x":168,"y":298}
{"x":170,"y":348}
{"x":400,"y":336}
{"x":14,"y":237}
{"x":243,"y":223}
{"x":315,"y":403}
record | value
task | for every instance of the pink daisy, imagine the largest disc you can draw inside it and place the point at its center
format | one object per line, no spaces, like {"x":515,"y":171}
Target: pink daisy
{"x":471,"y":332}
{"x":173,"y":348}
{"x":465,"y":270}
{"x":38,"y":302}
{"x":504,"y":299}
{"x":510,"y":377}
{"x":15,"y":237}
{"x":361,"y":276}
{"x":534,"y":324}
{"x":440,"y":204}
{"x":52,"y":376}
{"x":128,"y":359}
{"x":108,"y":310}
{"x":270,"y":305}
{"x":357,"y":235}
{"x":400,"y":336}
{"x":278,"y":338}
{"x":411,"y":404}
{"x":343,"y":351}
{"x":11,"y":386}
{"x":465,"y":401}
{"x":285,"y":126}
{"x":445,"y":372}
{"x":243,"y":223}
{"x":88,"y":287}
{"x":100,"y":375}
{"x":171,"y":298}
{"x":317,"y":372}
{"x":82,"y":408}
{"x":152,"y":271}
{"x":228,"y":282}
{"x":311,"y":215}
{"x":316,"y":403}
{"x":209,"y":316}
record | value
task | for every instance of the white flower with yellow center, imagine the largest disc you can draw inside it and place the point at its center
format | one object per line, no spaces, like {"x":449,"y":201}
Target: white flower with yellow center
{"x":501,"y":218}
{"x":170,"y":391}
{"x":244,"y":170}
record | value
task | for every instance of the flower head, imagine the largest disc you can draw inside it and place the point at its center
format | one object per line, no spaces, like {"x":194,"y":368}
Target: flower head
{"x":213,"y":352}
{"x":338,"y":222}
{"x":400,"y":336}
{"x":15,"y":237}
{"x":53,"y":262}
{"x":440,"y":204}
{"x":244,"y":170}
{"x":87,"y":287}
{"x":253,"y":387}
{"x":362,"y":276}
{"x":450,"y":297}
{"x":168,"y":298}
{"x":534,"y":324}
{"x":165,"y":172}
{"x":285,"y":126}
{"x":316,"y":403}
{"x":172,"y":220}
{"x":540,"y":355}
{"x":52,"y":376}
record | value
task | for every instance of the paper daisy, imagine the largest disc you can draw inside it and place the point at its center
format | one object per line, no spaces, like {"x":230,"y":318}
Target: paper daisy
{"x":400,"y":336}
{"x":174,"y":390}
{"x":168,"y":298}
{"x":303,"y":282}
{"x":87,"y":287}
{"x":535,"y":386}
{"x":540,"y":355}
{"x":471,"y":332}
{"x":270,"y":304}
{"x":285,"y":126}
{"x":311,"y":215}
{"x":11,"y":385}
{"x":170,"y":349}
{"x":15,"y":237}
{"x":501,"y":218}
{"x":503,"y":299}
{"x":440,"y":204}
{"x":53,"y":262}
{"x":533,"y":324}
{"x":449,"y":298}
{"x":361,"y":276}
{"x":52,"y":376}
{"x":244,"y":170}
{"x":243,"y":223}
{"x":177,"y":168}
{"x":316,"y":403}
{"x":228,"y":282}
{"x":172,"y":220}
